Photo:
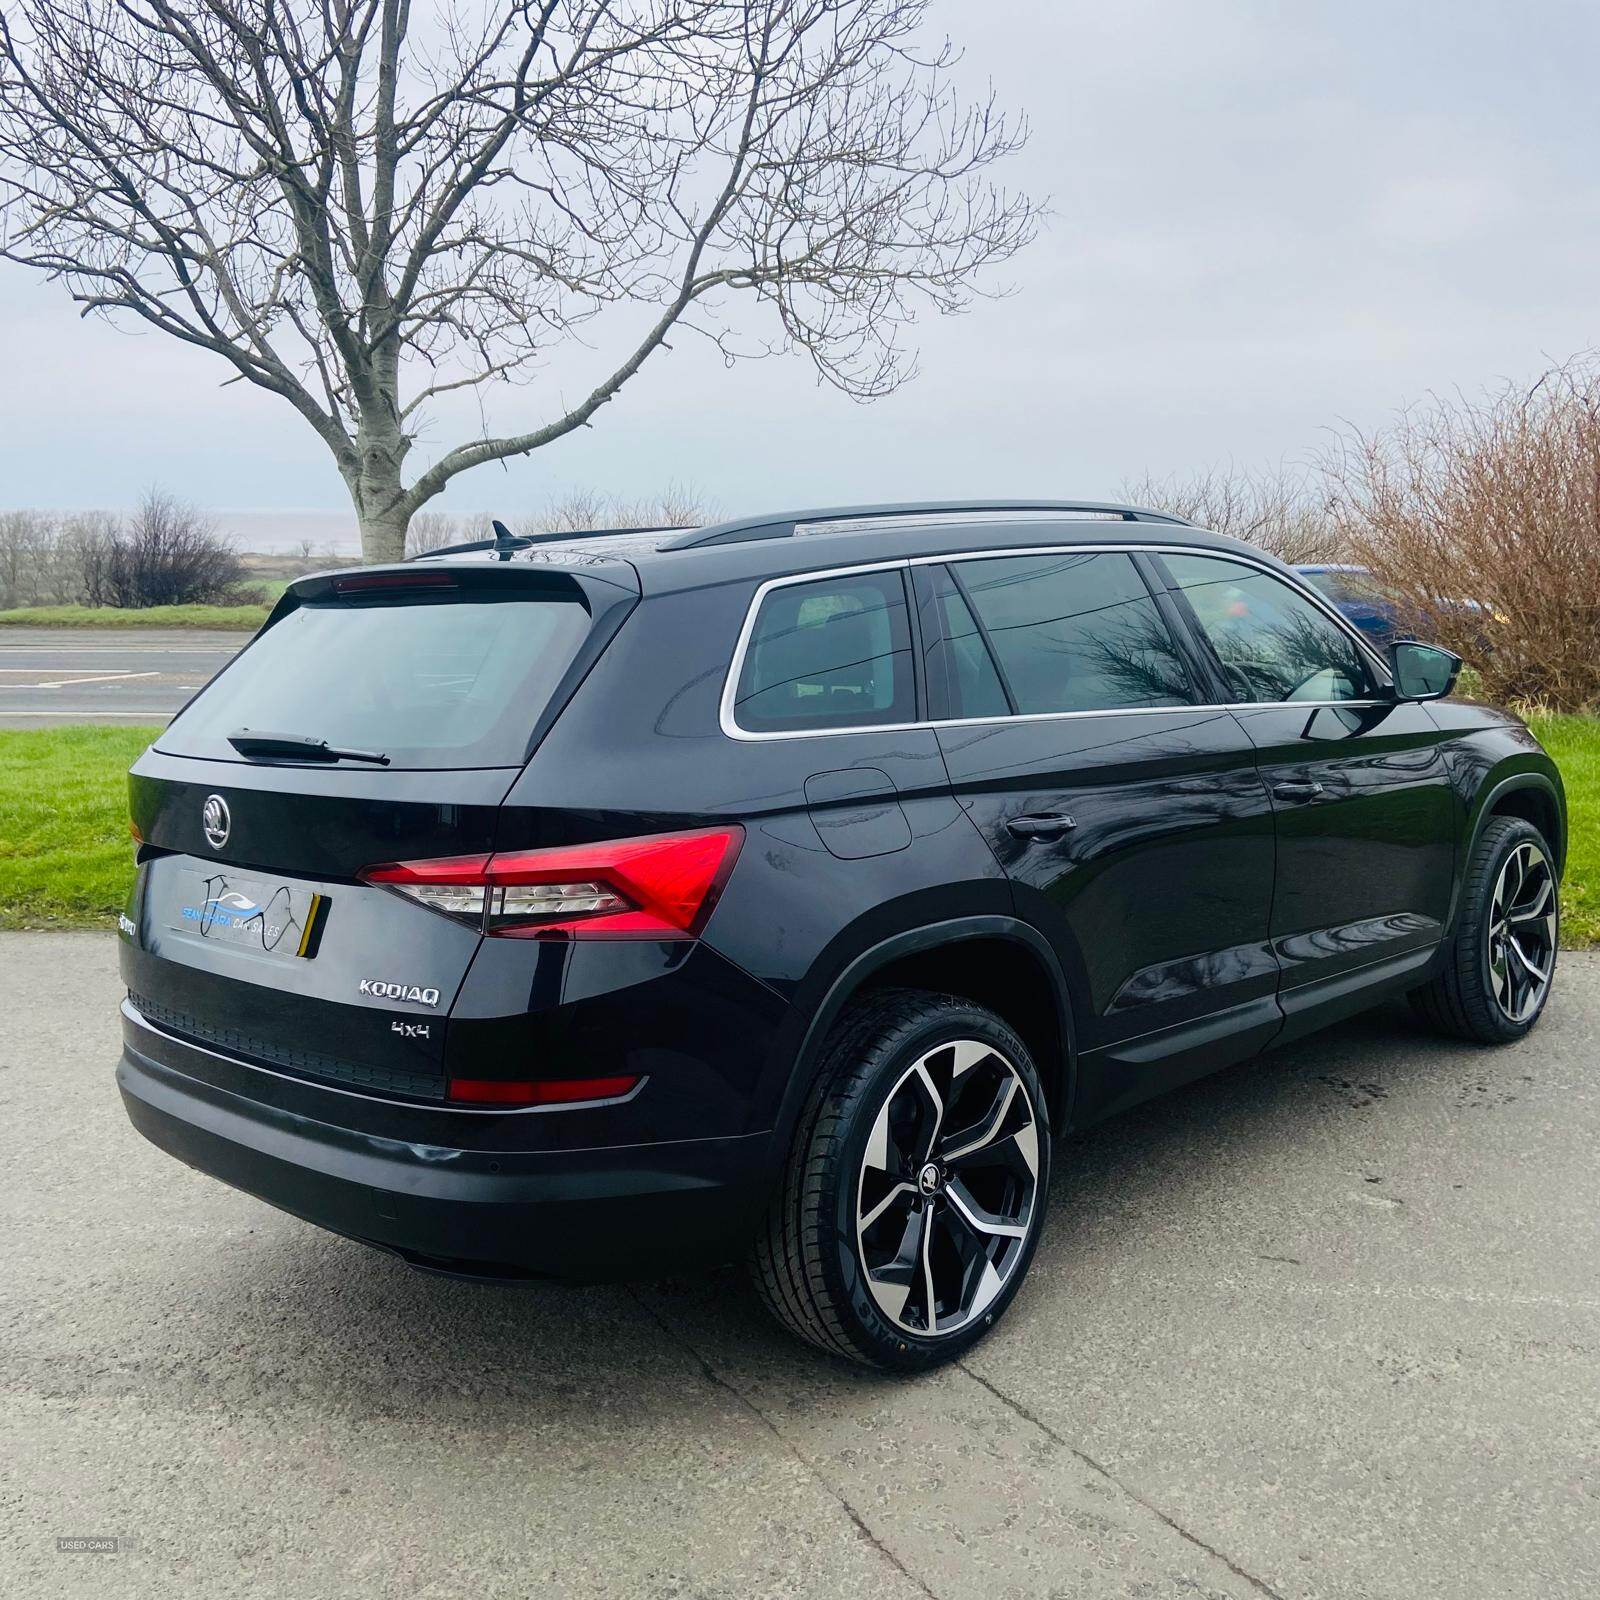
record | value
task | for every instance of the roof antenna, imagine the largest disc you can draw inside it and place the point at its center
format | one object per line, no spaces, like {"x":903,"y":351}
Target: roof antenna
{"x":504,"y":540}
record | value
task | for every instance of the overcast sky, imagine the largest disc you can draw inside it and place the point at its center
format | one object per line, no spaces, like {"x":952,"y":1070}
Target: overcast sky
{"x":1266,"y":217}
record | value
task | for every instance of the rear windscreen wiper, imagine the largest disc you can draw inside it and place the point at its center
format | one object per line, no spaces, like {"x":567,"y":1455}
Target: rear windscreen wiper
{"x":298,"y":746}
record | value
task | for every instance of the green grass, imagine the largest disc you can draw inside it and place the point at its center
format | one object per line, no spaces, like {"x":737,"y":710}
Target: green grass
{"x":65,"y":857}
{"x":1574,"y":742}
{"x":250,"y":616}
{"x":267,"y":590}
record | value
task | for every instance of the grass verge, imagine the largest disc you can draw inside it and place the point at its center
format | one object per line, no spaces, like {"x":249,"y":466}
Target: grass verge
{"x":1574,"y":742}
{"x":65,"y":857}
{"x":250,"y":617}
{"x":65,"y":860}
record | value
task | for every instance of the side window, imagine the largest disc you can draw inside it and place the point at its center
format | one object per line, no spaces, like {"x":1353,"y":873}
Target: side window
{"x":1076,"y":632}
{"x":1272,"y":643}
{"x":959,"y":660}
{"x":831,"y":654}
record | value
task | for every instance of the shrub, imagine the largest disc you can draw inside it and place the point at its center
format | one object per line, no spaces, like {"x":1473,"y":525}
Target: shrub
{"x":1280,"y":510}
{"x":1496,"y":501}
{"x":167,"y":554}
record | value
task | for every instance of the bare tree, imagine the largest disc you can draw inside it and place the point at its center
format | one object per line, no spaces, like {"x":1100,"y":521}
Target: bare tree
{"x":1280,"y":509}
{"x":83,"y":540}
{"x":1481,"y":513}
{"x":577,"y":511}
{"x":25,"y":541}
{"x":47,"y":559}
{"x":360,"y":211}
{"x":433,"y":530}
{"x":679,"y":505}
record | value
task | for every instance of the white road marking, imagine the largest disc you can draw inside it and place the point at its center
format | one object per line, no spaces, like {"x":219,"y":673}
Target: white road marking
{"x":69,"y":683}
{"x":120,"y":649}
{"x":165,"y":713}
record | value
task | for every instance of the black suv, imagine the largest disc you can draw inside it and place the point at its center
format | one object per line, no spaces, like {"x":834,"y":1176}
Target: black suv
{"x":778,"y":889}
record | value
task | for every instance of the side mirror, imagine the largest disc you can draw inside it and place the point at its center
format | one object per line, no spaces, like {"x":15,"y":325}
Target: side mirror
{"x":1422,"y":671}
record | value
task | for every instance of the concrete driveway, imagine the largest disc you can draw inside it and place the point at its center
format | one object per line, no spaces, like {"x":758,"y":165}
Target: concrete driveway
{"x":1325,"y":1326}
{"x":64,"y":677}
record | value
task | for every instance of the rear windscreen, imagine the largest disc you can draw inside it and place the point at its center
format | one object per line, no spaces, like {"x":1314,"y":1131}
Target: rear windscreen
{"x":430,"y":683}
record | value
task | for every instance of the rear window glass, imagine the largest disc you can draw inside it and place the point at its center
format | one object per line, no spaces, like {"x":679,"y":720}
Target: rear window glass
{"x":434,"y":683}
{"x":831,"y":654}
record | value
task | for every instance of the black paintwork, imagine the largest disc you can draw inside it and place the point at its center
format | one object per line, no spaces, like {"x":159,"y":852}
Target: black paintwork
{"x":1182,"y":888}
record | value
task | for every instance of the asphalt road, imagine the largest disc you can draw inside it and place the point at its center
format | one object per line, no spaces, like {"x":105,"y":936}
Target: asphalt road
{"x":59,"y":677}
{"x":1327,"y":1325}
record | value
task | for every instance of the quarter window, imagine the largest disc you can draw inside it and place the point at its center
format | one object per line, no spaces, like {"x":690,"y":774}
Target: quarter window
{"x":1271,"y":642}
{"x":1075,"y":632}
{"x":835,"y":653}
{"x":960,"y":662}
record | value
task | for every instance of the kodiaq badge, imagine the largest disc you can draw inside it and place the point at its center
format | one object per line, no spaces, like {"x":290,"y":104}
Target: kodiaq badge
{"x":214,"y":819}
{"x":399,"y":991}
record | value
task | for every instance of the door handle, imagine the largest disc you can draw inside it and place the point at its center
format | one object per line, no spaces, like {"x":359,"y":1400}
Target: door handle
{"x":1296,"y":790}
{"x":1050,"y":826}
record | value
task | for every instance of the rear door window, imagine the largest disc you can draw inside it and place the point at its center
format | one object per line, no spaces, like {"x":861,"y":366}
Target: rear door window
{"x":431,"y":683}
{"x":1075,"y":631}
{"x":833,"y":653}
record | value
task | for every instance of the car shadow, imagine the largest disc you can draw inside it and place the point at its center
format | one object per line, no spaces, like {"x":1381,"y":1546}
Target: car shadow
{"x":314,"y":1316}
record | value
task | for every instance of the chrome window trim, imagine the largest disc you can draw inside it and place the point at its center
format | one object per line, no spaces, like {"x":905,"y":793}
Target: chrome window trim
{"x":731,"y":728}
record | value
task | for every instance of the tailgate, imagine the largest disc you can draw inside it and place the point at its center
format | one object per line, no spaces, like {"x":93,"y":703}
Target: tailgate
{"x":269,"y":948}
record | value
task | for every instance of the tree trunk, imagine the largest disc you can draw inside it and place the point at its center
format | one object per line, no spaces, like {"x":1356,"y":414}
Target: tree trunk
{"x":380,"y":499}
{"x":383,"y":536}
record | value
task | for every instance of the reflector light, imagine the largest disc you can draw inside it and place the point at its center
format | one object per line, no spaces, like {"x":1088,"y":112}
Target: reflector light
{"x":539,"y":1091}
{"x":661,"y":886}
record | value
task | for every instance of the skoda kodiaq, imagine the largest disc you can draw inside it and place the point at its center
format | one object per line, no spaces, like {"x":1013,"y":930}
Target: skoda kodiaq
{"x":595,"y":906}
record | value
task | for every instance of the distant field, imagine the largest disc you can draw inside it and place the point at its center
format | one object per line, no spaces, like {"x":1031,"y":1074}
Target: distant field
{"x":65,"y":860}
{"x":248,"y":617}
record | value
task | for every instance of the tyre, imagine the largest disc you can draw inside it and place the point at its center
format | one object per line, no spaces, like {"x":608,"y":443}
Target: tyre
{"x":912,"y":1199}
{"x":1497,"y":974}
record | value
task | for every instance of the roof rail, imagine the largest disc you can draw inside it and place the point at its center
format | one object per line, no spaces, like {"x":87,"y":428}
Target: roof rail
{"x":832,"y":519}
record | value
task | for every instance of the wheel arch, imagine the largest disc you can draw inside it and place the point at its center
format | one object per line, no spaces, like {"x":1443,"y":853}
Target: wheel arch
{"x":1526,"y":792}
{"x":1533,"y":797}
{"x":975,"y":957}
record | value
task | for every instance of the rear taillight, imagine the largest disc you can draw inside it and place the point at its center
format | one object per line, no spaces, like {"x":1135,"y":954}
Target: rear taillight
{"x":663,"y":886}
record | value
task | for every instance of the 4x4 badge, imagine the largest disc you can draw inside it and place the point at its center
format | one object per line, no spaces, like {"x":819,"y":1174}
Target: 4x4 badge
{"x":399,"y":991}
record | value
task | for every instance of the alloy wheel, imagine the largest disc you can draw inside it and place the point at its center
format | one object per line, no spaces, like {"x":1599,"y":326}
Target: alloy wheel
{"x":1522,"y":932}
{"x":948,"y":1188}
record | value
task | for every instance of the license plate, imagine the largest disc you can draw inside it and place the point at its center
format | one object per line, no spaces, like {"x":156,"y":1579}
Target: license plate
{"x":278,"y":919}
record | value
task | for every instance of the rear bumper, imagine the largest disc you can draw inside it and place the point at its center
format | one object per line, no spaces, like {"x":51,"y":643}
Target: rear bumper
{"x":585,"y":1215}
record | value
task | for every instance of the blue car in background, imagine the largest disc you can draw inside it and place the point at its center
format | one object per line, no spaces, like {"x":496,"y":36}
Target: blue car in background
{"x":1359,"y":596}
{"x":1377,"y":610}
